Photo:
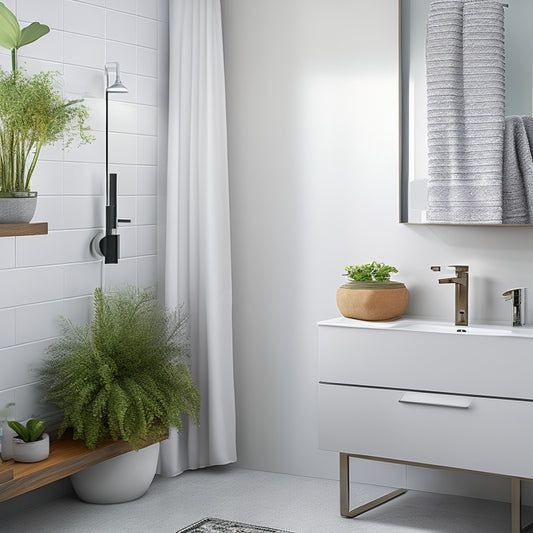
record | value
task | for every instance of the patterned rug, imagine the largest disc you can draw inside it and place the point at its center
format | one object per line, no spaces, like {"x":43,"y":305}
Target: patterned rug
{"x":216,"y":525}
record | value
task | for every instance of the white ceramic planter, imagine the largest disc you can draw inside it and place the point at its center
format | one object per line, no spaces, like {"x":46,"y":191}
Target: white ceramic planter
{"x":31,"y":452}
{"x":117,"y":480}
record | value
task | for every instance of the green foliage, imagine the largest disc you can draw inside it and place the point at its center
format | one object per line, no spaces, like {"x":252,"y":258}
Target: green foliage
{"x":31,"y":432}
{"x":124,"y":375}
{"x":33,"y":114}
{"x":370,"y":272}
{"x":12,"y":37}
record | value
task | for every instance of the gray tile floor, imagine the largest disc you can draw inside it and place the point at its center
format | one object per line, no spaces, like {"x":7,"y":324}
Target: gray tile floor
{"x":299,"y":504}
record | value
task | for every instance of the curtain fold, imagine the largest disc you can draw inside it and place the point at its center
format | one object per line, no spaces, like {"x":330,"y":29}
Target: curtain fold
{"x":198,"y":255}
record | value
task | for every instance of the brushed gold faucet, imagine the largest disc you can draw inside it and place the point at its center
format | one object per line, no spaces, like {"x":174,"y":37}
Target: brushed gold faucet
{"x":461,"y":292}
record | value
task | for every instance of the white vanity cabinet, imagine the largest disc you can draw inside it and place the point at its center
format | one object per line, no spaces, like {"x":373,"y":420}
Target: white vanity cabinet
{"x":459,"y":401}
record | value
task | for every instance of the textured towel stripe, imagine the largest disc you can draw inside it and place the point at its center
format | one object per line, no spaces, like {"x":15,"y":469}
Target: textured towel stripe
{"x":465,"y":65}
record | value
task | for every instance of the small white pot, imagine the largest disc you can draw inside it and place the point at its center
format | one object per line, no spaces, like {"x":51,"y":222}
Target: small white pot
{"x":119,"y":479}
{"x":31,"y":452}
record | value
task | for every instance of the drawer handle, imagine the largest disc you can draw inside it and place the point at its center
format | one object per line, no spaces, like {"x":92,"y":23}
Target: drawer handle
{"x":441,"y":400}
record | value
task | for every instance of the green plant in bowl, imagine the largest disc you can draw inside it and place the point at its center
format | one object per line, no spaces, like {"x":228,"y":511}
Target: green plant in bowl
{"x":370,"y":272}
{"x":370,"y":294}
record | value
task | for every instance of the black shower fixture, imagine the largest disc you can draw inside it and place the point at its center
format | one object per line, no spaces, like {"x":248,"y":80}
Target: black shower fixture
{"x":108,"y":246}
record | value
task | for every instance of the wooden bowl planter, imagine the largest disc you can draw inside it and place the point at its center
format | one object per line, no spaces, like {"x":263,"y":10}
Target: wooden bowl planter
{"x":372,"y":300}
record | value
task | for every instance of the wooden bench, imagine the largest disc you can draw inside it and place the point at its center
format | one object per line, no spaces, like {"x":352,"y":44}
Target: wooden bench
{"x":67,"y":457}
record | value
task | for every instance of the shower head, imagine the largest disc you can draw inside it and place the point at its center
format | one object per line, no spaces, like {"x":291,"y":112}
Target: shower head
{"x":117,"y":86}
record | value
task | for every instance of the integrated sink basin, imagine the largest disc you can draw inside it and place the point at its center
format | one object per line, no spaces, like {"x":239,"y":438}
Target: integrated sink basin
{"x":427,"y":326}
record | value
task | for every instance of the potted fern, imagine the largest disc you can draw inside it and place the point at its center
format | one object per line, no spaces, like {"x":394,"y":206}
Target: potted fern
{"x":31,"y":444}
{"x":33,"y":114}
{"x":370,"y":294}
{"x":124,"y":376}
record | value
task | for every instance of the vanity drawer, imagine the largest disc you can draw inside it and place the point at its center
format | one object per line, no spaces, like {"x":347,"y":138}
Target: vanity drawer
{"x":499,"y":367}
{"x":481,"y":434}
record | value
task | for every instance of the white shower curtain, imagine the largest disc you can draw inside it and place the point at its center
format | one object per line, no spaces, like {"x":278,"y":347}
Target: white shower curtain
{"x":198,"y":267}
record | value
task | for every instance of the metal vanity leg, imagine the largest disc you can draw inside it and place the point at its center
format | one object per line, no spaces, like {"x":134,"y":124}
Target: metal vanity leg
{"x":516,"y":507}
{"x":344,"y":463}
{"x":516,"y":502}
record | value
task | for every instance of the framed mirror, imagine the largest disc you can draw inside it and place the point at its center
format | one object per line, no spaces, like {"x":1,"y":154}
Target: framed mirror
{"x":414,"y":172}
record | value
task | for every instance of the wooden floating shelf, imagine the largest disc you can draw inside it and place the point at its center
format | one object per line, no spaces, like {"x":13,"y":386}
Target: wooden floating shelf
{"x":18,"y":230}
{"x":67,"y":457}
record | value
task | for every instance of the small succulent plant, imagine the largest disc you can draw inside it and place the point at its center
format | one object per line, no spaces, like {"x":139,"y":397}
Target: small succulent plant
{"x":31,"y":432}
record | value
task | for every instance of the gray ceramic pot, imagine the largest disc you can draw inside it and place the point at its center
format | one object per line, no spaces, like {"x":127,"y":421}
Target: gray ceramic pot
{"x":17,"y":207}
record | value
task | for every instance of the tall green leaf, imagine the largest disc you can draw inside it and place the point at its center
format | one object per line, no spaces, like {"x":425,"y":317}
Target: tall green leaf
{"x":31,"y":33}
{"x":12,"y":38}
{"x":9,"y":28}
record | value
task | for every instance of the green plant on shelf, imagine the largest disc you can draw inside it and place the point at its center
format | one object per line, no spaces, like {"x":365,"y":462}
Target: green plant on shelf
{"x":33,"y":112}
{"x":124,"y":375}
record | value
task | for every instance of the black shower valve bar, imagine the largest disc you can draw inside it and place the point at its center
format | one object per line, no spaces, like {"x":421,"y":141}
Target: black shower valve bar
{"x":109,"y":245}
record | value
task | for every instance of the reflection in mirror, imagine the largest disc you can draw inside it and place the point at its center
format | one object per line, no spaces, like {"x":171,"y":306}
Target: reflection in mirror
{"x":416,"y":170}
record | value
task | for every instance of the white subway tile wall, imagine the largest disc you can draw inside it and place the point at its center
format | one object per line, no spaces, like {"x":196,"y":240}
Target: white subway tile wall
{"x":128,"y":241}
{"x":45,"y":277}
{"x":146,"y":32}
{"x":50,"y":11}
{"x":127,"y":178}
{"x":146,"y":180}
{"x":83,"y":18}
{"x":122,"y":27}
{"x":126,"y":6}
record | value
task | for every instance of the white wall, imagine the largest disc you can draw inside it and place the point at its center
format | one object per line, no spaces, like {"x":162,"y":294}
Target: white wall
{"x":312,"y":94}
{"x":42,"y":277}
